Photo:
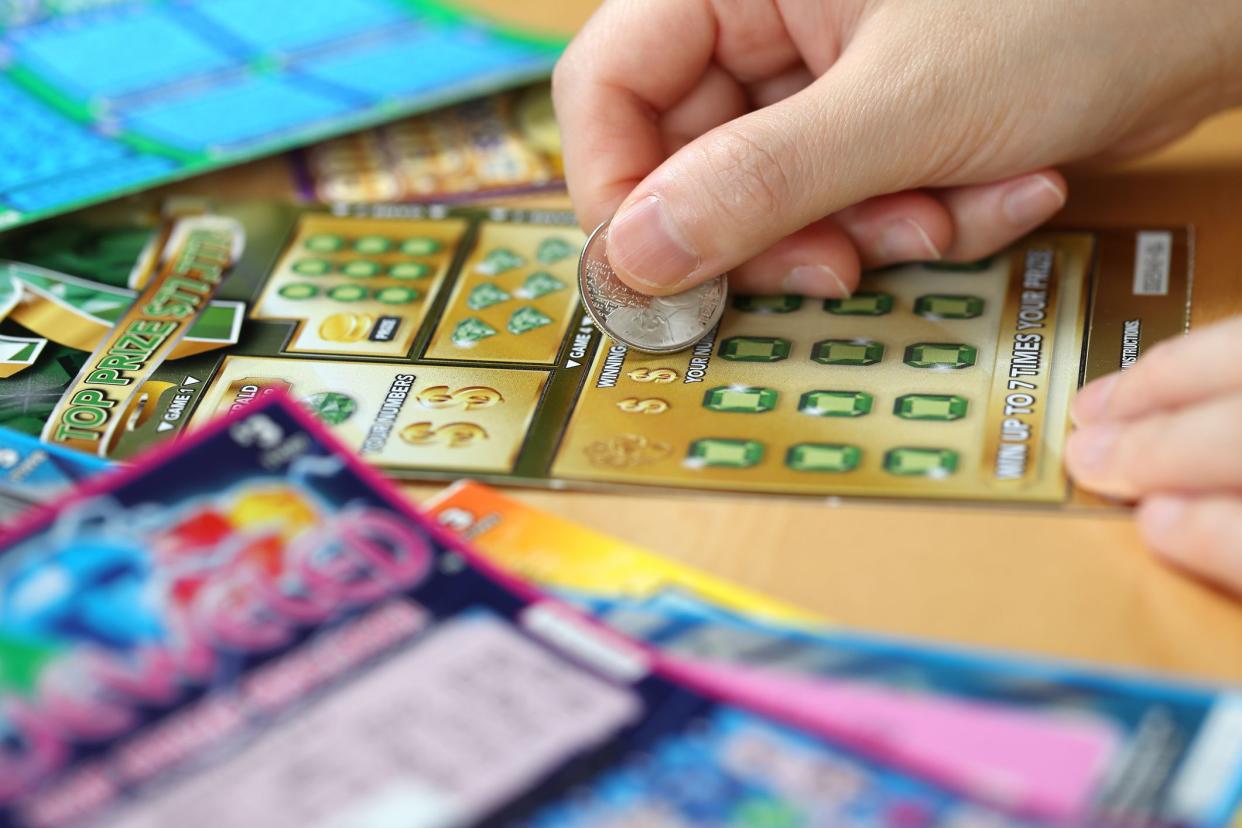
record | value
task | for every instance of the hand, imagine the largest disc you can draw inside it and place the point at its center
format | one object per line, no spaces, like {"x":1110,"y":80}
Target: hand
{"x":792,"y":142}
{"x":1168,"y":433}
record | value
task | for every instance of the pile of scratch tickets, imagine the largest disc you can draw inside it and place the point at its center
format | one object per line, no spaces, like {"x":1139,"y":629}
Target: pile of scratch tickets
{"x":250,"y":626}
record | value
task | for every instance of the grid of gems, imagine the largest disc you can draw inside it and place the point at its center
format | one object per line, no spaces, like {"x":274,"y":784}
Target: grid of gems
{"x":327,"y":256}
{"x":831,"y":457}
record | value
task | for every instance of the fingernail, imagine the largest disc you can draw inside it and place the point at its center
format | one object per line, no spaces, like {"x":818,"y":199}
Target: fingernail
{"x":815,"y":280}
{"x":1089,"y":449}
{"x":1032,"y":201}
{"x":645,"y":243}
{"x":905,"y":241}
{"x":1160,"y":521}
{"x":1092,"y":400}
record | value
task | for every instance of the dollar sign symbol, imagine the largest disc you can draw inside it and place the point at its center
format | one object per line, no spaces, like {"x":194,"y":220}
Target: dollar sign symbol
{"x":452,"y":435}
{"x":469,"y":398}
{"x":651,"y":405}
{"x":660,"y":375}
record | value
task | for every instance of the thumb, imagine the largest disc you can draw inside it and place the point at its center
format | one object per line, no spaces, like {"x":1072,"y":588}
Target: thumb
{"x":740,"y":188}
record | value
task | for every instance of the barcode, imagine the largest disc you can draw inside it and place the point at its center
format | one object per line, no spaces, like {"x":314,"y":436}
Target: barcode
{"x":1152,"y":257}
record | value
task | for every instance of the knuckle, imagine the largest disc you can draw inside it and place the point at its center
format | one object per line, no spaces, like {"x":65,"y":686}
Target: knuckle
{"x":747,"y":177}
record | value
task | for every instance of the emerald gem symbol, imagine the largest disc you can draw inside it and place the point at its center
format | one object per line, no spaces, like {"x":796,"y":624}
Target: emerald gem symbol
{"x":836,"y":403}
{"x":498,"y":261}
{"x":332,"y":407}
{"x":823,"y":457}
{"x":311,"y":267}
{"x":942,"y":355}
{"x":740,"y":399}
{"x":409,"y":270}
{"x":944,"y":407}
{"x":360,"y":269}
{"x":298,"y":291}
{"x":324,"y":243}
{"x":396,"y":295}
{"x":469,"y":332}
{"x":947,"y":306}
{"x":861,"y":304}
{"x":724,"y":453}
{"x":419,"y":246}
{"x":921,"y":462}
{"x":857,"y":352}
{"x":372,"y":245}
{"x":553,"y":250}
{"x":755,"y":349}
{"x":485,"y":295}
{"x":540,"y":284}
{"x":527,"y":319}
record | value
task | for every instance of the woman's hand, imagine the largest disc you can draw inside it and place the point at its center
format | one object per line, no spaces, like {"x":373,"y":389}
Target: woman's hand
{"x":1168,"y":433}
{"x":794,"y":141}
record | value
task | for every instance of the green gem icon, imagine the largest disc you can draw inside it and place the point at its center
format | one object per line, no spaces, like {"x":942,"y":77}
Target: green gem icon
{"x":836,"y":403}
{"x":396,"y":295}
{"x":948,"y":306}
{"x":861,"y":304}
{"x":788,"y":303}
{"x":498,"y":261}
{"x":941,"y":355}
{"x":724,"y":453}
{"x":755,"y":349}
{"x":409,"y":270}
{"x":348,"y":293}
{"x":332,"y":407}
{"x":553,"y":250}
{"x":360,"y":269}
{"x":823,"y":457}
{"x":921,"y":462}
{"x":324,"y":243}
{"x":311,"y":267}
{"x":485,"y":295}
{"x":527,"y":319}
{"x":420,"y":246}
{"x":540,"y":284}
{"x":372,"y":245}
{"x":943,"y":407}
{"x":740,"y":399}
{"x":298,"y":291}
{"x":847,"y":352}
{"x":469,"y":332}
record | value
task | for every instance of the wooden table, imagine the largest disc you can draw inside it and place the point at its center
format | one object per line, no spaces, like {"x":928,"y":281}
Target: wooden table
{"x":1040,"y":582}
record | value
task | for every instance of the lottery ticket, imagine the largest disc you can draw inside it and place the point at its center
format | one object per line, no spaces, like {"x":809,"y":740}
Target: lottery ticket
{"x":444,"y":342}
{"x":1138,"y":750}
{"x":503,"y":144}
{"x":252,"y":628}
{"x":32,"y":472}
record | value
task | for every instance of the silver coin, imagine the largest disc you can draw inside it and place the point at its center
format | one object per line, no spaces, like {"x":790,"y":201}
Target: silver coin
{"x":656,"y":324}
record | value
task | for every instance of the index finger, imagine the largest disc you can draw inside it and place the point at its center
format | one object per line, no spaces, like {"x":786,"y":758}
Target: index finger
{"x":633,"y":60}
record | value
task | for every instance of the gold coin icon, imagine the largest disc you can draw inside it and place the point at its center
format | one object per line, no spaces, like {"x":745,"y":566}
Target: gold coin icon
{"x":346,"y":327}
